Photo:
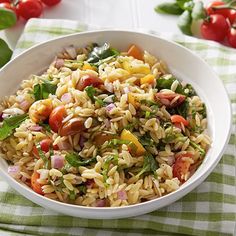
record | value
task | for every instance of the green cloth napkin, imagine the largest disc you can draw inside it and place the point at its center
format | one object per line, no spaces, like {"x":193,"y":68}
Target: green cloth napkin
{"x":208,"y":210}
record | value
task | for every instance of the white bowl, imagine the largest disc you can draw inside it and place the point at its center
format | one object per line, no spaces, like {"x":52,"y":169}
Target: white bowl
{"x":182,"y":63}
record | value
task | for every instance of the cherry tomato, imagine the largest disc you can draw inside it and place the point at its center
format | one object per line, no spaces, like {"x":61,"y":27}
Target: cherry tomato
{"x":29,"y":8}
{"x":34,"y":184}
{"x":215,"y":28}
{"x":71,"y":127}
{"x":179,"y":119}
{"x":227,"y":13}
{"x":56,"y":117}
{"x":181,"y":166}
{"x":51,"y":2}
{"x":87,"y":80}
{"x":5,"y":1}
{"x":8,"y":5}
{"x":45,"y":146}
{"x":211,"y":10}
{"x":231,"y":37}
{"x":232,"y":16}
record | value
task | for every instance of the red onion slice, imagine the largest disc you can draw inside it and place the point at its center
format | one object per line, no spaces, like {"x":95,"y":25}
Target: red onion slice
{"x":66,"y":98}
{"x":13,"y":171}
{"x":57,"y":161}
{"x":110,"y":107}
{"x":122,"y":195}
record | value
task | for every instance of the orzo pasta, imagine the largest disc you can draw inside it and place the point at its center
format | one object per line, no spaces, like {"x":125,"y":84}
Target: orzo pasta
{"x":104,"y":128}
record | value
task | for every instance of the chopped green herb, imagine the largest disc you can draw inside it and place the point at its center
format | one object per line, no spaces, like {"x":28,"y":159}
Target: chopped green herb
{"x":113,"y":143}
{"x":203,"y":111}
{"x":149,"y":165}
{"x":183,"y":108}
{"x":42,"y":90}
{"x":82,"y":189}
{"x":201,"y":150}
{"x":9,"y":124}
{"x":163,"y":83}
{"x":113,"y":159}
{"x":42,"y":156}
{"x":147,"y":114}
{"x":75,"y":160}
{"x":91,"y":91}
{"x":45,"y":126}
{"x":72,"y":195}
{"x":146,"y":140}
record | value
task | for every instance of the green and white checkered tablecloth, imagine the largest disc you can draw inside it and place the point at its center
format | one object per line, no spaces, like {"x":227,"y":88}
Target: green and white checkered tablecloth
{"x":208,"y":210}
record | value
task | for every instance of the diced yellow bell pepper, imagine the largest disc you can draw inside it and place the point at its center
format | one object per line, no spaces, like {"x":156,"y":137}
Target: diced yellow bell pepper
{"x":87,"y":66}
{"x":148,"y":79}
{"x":127,"y":135}
{"x":138,"y":68}
{"x":133,"y":100}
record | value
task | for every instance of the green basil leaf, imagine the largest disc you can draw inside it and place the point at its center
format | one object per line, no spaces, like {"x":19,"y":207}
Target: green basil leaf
{"x":100,"y":53}
{"x":5,"y":53}
{"x":9,"y":124}
{"x":75,"y":160}
{"x":42,"y":91}
{"x":198,"y":11}
{"x":171,"y":8}
{"x":184,"y":22}
{"x":7,"y":18}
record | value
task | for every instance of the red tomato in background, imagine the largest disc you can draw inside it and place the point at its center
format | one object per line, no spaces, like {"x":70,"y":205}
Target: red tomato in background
{"x":30,"y":8}
{"x":56,"y":117}
{"x":51,"y":2}
{"x":8,"y":5}
{"x":214,"y":28}
{"x":231,"y":37}
{"x":227,"y":13}
{"x":5,"y":1}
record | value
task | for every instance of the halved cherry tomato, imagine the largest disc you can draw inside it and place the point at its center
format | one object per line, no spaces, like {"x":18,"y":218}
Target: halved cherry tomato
{"x":29,"y":8}
{"x":179,"y":119}
{"x":56,"y":117}
{"x":51,"y":2}
{"x":181,"y":166}
{"x":71,"y":127}
{"x":101,"y":138}
{"x":215,"y":27}
{"x":45,"y":146}
{"x":135,"y":52}
{"x":34,"y":184}
{"x":87,"y":80}
{"x":166,"y":99}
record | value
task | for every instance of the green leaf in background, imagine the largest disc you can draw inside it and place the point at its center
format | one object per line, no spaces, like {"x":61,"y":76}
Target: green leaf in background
{"x":5,"y":53}
{"x":169,"y":8}
{"x":198,"y":11}
{"x":183,"y":3}
{"x":7,"y":18}
{"x":184,"y":22}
